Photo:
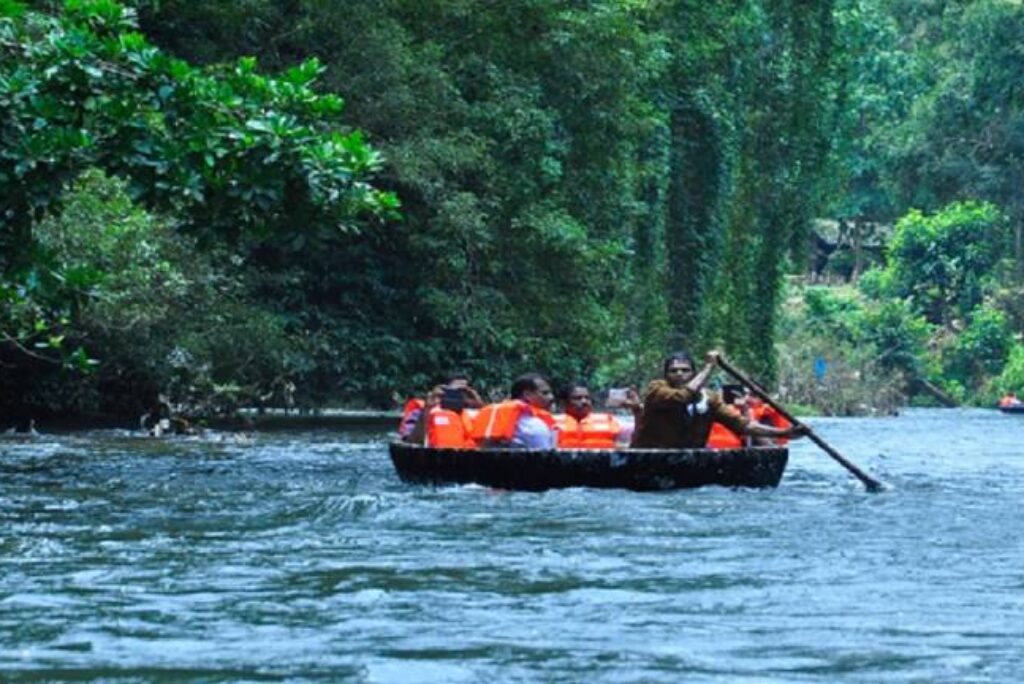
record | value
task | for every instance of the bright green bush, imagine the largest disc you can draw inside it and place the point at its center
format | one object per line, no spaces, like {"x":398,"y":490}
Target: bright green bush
{"x":981,"y":349}
{"x":945,"y":261}
{"x":1012,"y":377}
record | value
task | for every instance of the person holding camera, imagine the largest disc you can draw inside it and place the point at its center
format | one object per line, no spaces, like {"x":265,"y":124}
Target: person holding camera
{"x":580,"y":427}
{"x":444,"y":418}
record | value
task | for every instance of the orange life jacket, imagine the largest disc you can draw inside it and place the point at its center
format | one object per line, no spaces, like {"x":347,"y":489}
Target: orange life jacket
{"x":767,"y":415}
{"x":722,"y":437}
{"x":410,"y":406}
{"x":447,"y":429}
{"x":497,"y":422}
{"x":596,"y":431}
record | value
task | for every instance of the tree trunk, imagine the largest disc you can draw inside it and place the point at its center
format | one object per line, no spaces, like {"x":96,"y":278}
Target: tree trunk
{"x":1018,"y":244}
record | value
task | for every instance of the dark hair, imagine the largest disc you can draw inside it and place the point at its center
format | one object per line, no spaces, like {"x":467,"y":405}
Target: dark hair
{"x":683,"y":356}
{"x":570,"y":386}
{"x":453,"y":375}
{"x":731,"y":392}
{"x":525,"y":383}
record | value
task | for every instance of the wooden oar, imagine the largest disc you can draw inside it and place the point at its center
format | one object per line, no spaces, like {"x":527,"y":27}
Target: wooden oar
{"x":870,"y":483}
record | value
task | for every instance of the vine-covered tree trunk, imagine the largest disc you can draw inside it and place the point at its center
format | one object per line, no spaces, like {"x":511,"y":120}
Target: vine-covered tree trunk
{"x":693,"y":237}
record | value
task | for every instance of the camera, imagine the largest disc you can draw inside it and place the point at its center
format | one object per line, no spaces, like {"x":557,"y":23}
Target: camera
{"x":453,"y":398}
{"x":616,"y":397}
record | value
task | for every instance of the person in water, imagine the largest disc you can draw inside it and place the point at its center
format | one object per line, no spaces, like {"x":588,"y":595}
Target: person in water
{"x":678,"y":412}
{"x":521,"y":422}
{"x":161,"y":420}
{"x":580,"y":427}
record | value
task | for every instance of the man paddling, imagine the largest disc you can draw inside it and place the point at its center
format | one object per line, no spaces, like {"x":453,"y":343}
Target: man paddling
{"x":678,"y":413}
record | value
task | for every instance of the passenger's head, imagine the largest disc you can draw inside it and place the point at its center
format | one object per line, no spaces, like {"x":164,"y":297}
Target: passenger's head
{"x":456,"y":379}
{"x":578,"y":402}
{"x":534,"y":389}
{"x":732,"y":394}
{"x":678,"y":369}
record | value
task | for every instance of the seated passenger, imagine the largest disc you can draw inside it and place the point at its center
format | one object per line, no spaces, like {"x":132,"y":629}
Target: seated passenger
{"x":765,"y":413}
{"x":410,"y":416}
{"x":443,"y":419}
{"x":678,"y":413}
{"x":522,"y":422}
{"x":1010,"y":399}
{"x":722,"y":437}
{"x":581,"y":428}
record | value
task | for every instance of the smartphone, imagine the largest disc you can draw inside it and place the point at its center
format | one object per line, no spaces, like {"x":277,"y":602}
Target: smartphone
{"x":616,"y":397}
{"x":453,"y":399}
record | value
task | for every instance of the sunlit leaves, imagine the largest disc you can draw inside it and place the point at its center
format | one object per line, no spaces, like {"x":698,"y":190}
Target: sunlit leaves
{"x":235,"y":155}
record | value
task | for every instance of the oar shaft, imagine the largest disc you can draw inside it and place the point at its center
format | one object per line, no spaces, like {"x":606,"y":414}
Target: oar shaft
{"x":871,"y":483}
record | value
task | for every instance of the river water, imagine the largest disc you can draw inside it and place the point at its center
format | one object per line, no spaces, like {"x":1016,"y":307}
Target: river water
{"x":302,"y":557}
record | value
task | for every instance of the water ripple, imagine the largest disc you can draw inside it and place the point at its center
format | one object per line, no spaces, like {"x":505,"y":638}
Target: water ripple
{"x":301,"y":556}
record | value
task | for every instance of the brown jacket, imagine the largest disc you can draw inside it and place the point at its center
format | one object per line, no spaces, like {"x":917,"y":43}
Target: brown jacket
{"x":674,"y":419}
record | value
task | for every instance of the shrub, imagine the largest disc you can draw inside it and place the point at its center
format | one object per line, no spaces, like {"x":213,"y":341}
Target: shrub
{"x":159,"y":314}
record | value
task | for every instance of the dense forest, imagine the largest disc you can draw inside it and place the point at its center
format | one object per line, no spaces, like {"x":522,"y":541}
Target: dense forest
{"x":304,"y":202}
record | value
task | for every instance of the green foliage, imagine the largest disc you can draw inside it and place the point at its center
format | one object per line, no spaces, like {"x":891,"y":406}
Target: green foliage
{"x":238,"y":159}
{"x":583,"y":184}
{"x":11,"y":8}
{"x":945,"y":262}
{"x":837,"y":328}
{"x":981,"y":350}
{"x":898,"y":338}
{"x":874,"y":351}
{"x":232,"y":152}
{"x":936,"y":314}
{"x":159,"y":314}
{"x":1011,"y":379}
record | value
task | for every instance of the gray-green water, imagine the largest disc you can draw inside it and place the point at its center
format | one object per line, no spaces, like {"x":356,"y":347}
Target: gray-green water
{"x":303,"y":557}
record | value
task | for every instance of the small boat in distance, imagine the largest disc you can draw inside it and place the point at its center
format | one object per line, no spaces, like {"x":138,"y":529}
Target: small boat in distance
{"x":636,"y":469}
{"x":1009,"y":403}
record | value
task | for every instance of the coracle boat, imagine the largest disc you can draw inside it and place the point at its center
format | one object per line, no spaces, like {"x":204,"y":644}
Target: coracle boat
{"x":637,"y":469}
{"x":1012,"y":408}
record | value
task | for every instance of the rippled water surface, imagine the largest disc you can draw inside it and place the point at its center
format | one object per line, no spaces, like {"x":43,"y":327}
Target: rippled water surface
{"x":302,"y":556}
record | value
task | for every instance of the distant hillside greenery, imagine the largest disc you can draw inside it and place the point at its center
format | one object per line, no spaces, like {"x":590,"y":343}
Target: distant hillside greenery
{"x":291,"y":201}
{"x":929,"y":158}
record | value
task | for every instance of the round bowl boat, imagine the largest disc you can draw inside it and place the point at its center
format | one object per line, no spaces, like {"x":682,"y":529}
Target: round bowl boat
{"x":636,"y":469}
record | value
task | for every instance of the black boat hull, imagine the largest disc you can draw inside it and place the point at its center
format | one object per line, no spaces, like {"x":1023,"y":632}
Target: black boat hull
{"x":635,"y":469}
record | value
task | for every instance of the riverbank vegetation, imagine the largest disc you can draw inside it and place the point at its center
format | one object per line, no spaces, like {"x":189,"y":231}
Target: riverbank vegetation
{"x":303,"y":203}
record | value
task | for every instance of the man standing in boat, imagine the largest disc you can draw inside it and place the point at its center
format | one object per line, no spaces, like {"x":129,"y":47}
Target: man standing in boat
{"x":678,"y":413}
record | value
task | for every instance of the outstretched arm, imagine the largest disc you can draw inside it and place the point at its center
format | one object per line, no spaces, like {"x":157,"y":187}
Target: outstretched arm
{"x":756,"y":429}
{"x":700,"y":379}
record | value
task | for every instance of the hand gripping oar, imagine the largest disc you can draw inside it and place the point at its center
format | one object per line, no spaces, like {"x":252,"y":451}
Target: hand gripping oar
{"x":870,"y":483}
